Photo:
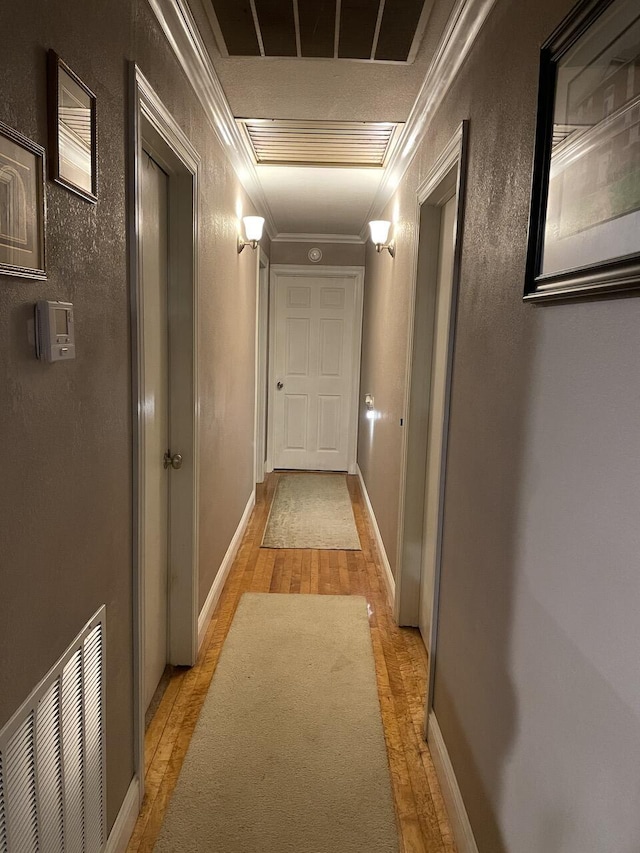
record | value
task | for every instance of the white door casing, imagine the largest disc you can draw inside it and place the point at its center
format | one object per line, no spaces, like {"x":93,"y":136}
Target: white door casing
{"x":316,"y":327}
{"x":154,"y":197}
{"x":435,"y":441}
{"x":154,"y":129}
{"x":446,"y":178}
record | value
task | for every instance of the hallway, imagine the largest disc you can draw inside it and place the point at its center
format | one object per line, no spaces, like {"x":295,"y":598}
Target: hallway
{"x":396,"y":238}
{"x":400,"y":660}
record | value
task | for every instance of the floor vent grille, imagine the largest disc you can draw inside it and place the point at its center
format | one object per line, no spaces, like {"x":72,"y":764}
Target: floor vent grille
{"x":276,"y":142}
{"x":52,"y":772}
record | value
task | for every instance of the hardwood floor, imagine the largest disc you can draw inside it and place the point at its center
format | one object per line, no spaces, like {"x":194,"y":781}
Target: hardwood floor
{"x":400,"y":658}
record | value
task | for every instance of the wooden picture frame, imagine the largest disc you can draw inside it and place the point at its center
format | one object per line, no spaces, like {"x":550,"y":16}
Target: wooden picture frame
{"x":584,"y":226}
{"x":72,"y":130}
{"x":22,"y":205}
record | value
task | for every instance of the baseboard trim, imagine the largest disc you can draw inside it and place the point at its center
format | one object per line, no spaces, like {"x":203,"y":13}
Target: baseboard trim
{"x":456,"y":810}
{"x":388,"y":574}
{"x":122,"y":829}
{"x":223,"y":572}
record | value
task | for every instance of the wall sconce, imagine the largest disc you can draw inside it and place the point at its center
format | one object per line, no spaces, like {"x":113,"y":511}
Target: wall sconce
{"x":380,"y":234}
{"x":253,"y":232}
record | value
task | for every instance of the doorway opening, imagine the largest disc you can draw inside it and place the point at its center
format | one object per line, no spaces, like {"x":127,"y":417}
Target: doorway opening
{"x":440,"y":214}
{"x":164,"y":316}
{"x":262,"y":349}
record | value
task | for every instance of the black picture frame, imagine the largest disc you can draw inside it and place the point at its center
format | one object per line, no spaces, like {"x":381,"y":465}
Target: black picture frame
{"x":72,"y":130}
{"x":22,"y":206}
{"x":598,"y":277}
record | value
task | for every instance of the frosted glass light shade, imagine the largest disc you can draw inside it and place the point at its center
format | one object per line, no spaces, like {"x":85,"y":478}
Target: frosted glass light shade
{"x":253,"y":227}
{"x":379,"y":231}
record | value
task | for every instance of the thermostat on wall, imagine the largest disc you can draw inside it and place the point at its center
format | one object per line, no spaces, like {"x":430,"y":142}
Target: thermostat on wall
{"x":55,"y":334}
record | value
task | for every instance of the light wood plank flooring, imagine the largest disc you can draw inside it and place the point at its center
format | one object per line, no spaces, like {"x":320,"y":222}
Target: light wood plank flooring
{"x":400,"y":659}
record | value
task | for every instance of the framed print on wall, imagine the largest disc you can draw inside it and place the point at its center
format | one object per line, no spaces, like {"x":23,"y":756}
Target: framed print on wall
{"x":22,"y":176}
{"x":72,"y":130}
{"x":584,"y":227}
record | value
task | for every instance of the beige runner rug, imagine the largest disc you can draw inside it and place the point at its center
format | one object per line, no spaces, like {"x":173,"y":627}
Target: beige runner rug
{"x":288,"y":755}
{"x":312,"y":511}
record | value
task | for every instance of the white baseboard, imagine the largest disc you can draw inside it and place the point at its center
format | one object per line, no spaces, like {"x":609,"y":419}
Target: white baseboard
{"x":122,"y":829}
{"x":388,"y":574}
{"x":457,"y":812}
{"x":223,"y":572}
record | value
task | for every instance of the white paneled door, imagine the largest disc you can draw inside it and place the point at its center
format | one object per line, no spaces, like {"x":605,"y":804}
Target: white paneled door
{"x":314,"y":376}
{"x":154,"y":196}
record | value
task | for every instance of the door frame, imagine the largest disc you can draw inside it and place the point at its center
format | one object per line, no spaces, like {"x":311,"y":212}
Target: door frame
{"x":413,"y":470}
{"x":262,"y":360}
{"x":357,"y":274}
{"x":153,"y":126}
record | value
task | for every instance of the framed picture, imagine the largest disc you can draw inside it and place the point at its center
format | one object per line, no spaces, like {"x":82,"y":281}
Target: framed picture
{"x":72,"y":131}
{"x":22,"y":176}
{"x":584,"y":228}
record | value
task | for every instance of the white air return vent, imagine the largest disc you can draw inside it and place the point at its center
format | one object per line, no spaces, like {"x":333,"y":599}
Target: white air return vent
{"x":52,"y":771}
{"x":319,"y":143}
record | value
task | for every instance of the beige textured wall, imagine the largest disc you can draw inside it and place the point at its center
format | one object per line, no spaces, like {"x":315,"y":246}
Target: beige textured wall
{"x":333,"y":254}
{"x":65,"y":503}
{"x":536,"y":688}
{"x":385,"y":330}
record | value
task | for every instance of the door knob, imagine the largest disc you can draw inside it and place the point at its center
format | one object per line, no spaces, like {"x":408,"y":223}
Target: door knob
{"x":280,"y":386}
{"x":174,"y":460}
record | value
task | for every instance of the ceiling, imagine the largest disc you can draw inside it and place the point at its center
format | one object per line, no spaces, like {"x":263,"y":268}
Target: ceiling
{"x":379,"y":30}
{"x":319,"y":201}
{"x":307,"y":198}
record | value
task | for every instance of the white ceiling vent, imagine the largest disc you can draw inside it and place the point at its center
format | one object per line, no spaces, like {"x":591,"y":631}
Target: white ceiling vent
{"x":288,"y":142}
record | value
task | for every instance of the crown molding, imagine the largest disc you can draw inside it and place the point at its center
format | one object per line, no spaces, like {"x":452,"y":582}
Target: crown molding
{"x":284,"y":237}
{"x":465,"y":22}
{"x":178,"y":25}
